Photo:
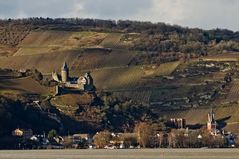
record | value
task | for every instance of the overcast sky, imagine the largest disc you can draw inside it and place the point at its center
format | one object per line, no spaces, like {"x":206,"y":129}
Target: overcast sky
{"x":205,"y":14}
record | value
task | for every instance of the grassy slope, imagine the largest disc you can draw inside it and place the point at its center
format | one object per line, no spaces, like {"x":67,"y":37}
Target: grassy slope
{"x":53,"y":41}
{"x":109,"y":70}
{"x":233,"y":94}
{"x":22,"y":85}
{"x":100,"y":59}
{"x":68,"y":103}
{"x":77,"y":60}
{"x":129,"y":77}
{"x":44,"y":62}
{"x":112,"y":41}
{"x":47,"y":50}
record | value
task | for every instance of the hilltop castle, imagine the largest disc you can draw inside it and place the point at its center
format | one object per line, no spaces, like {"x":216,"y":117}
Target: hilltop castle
{"x":84,"y":83}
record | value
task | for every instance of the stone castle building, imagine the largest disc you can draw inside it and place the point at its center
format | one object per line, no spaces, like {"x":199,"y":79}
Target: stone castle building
{"x":83,"y":83}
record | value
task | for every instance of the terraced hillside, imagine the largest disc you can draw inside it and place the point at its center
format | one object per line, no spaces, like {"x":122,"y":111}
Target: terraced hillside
{"x":77,"y":60}
{"x":223,"y":57}
{"x":95,"y":59}
{"x":46,"y":63}
{"x":83,"y":52}
{"x":128,"y":78}
{"x":38,"y":42}
{"x":22,"y":85}
{"x":108,"y":57}
{"x":10,"y":37}
{"x":233,"y":94}
{"x":114,"y":40}
{"x":13,"y":82}
{"x":47,"y":50}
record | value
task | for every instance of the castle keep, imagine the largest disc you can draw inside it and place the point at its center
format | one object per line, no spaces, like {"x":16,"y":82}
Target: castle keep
{"x":64,"y":73}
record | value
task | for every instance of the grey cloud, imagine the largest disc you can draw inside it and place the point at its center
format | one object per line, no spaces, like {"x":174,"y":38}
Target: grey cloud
{"x":116,"y":9}
{"x":30,"y":8}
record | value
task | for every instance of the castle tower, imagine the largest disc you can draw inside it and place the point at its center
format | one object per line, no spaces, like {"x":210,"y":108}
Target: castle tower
{"x":64,"y":73}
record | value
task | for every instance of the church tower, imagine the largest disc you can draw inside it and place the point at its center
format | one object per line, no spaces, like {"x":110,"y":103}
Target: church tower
{"x":64,"y":73}
{"x":211,"y":122}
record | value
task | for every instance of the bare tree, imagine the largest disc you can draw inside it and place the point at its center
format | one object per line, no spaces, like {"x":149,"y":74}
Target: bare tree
{"x":144,"y":133}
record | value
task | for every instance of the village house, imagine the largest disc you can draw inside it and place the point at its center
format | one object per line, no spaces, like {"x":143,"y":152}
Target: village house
{"x":24,"y":133}
{"x":178,"y":123}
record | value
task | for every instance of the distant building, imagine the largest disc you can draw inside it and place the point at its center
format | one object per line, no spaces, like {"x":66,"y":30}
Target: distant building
{"x":80,"y":137}
{"x":84,"y":83}
{"x":17,"y":132}
{"x":25,"y":133}
{"x":178,"y":123}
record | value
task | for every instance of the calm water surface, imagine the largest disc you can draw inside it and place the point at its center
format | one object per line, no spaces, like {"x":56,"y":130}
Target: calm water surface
{"x":123,"y":154}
